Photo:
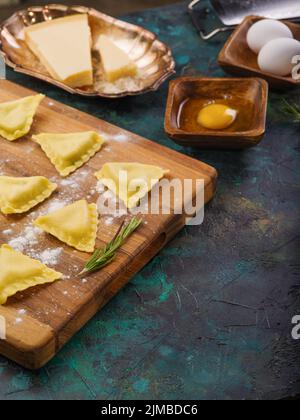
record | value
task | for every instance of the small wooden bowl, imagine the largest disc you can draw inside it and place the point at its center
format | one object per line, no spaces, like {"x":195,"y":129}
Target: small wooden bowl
{"x":237,"y":58}
{"x":251,"y":95}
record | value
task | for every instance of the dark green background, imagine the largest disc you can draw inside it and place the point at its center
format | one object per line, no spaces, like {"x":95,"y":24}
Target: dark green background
{"x":210,"y":316}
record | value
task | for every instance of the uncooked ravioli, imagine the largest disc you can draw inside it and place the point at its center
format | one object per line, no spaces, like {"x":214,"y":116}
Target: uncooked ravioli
{"x":18,"y":195}
{"x":16,"y":117}
{"x":76,"y":225}
{"x":70,"y":151}
{"x":19,"y":272}
{"x":137,"y":181}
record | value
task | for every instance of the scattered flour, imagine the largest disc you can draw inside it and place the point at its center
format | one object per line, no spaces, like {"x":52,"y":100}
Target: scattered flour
{"x":121,"y":138}
{"x":22,"y":311}
{"x":69,"y":183}
{"x":100,"y":187}
{"x":49,"y":256}
{"x":74,"y":182}
{"x":82,"y":174}
{"x":109,"y":221}
{"x":29,"y":149}
{"x":26,"y":239}
{"x":56,"y":205}
{"x":7,"y":232}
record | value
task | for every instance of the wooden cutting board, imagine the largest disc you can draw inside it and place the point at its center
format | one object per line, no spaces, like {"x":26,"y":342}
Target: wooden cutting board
{"x":41,"y":320}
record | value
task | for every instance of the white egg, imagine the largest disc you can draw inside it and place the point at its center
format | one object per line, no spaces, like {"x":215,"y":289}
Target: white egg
{"x":276,"y":56}
{"x":264,"y":31}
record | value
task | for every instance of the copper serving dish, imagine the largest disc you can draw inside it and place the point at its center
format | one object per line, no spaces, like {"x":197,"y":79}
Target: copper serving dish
{"x":153,"y":58}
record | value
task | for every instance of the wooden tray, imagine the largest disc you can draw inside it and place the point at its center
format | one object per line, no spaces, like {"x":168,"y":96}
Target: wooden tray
{"x":42,"y":319}
{"x":236,"y":57}
{"x":252,"y":91}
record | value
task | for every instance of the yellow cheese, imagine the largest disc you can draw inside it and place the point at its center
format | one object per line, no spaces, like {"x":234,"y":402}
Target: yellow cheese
{"x":115,"y":62}
{"x":64,"y":47}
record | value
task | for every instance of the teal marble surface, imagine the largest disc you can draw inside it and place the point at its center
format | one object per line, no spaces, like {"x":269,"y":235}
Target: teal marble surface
{"x":210,"y":316}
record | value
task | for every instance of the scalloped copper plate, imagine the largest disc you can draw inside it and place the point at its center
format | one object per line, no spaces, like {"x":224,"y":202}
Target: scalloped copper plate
{"x":153,"y":58}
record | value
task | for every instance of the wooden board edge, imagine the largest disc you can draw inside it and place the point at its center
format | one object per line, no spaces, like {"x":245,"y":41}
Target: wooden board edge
{"x":36,"y":342}
{"x":39,"y":352}
{"x":87,"y":312}
{"x":35,"y":353}
{"x":107,"y":293}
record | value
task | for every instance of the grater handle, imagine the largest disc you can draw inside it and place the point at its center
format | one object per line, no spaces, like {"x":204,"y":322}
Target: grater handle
{"x":194,"y":16}
{"x":202,"y":12}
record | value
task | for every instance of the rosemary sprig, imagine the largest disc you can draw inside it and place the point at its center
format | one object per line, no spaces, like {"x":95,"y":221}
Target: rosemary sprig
{"x":104,"y":256}
{"x":292,"y":110}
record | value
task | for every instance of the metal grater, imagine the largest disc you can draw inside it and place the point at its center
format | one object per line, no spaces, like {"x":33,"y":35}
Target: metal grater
{"x":232,"y":12}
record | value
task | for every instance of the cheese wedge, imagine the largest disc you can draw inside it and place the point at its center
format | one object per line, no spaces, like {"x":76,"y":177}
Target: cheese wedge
{"x":64,"y":47}
{"x":115,"y":62}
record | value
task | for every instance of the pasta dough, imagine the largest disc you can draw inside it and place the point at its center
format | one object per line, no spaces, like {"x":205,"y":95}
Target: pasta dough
{"x":68,"y":152}
{"x":75,"y":224}
{"x":130,"y":181}
{"x":16,"y":117}
{"x":18,"y":195}
{"x":19,"y":272}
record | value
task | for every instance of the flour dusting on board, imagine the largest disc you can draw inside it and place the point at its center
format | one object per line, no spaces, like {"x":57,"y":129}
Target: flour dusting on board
{"x":28,"y":238}
{"x":56,"y":205}
{"x":120,"y":138}
{"x":100,"y":187}
{"x":26,"y":242}
{"x":69,"y":183}
{"x":49,"y":256}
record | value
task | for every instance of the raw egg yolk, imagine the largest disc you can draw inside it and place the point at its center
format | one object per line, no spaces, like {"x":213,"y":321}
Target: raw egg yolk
{"x":216,"y":116}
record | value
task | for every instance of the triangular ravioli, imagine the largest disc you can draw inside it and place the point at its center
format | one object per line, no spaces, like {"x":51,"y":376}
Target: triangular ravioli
{"x":69,"y":152}
{"x":16,"y":117}
{"x":75,"y":224}
{"x":130,"y":181}
{"x":19,"y":272}
{"x":18,"y":195}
